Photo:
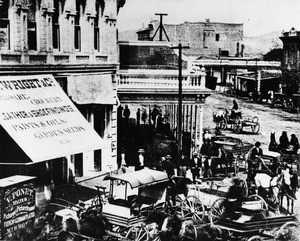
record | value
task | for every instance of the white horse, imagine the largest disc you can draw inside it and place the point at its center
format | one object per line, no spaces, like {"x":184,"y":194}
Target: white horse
{"x":269,"y":187}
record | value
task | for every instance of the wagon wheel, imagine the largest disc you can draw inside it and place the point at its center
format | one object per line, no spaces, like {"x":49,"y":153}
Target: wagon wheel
{"x":244,"y":187}
{"x":193,"y":208}
{"x":216,"y":210}
{"x":238,"y":125}
{"x":255,"y":238}
{"x":223,"y":124}
{"x":286,"y":231}
{"x":137,"y":233}
{"x":264,"y":204}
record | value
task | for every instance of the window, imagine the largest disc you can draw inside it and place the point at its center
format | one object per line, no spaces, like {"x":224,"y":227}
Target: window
{"x":217,"y":37}
{"x":77,"y":37}
{"x":204,"y":39}
{"x":55,"y":26}
{"x":4,"y":26}
{"x":31,"y":26}
{"x":77,"y":40}
{"x":96,"y":29}
{"x":31,"y":35}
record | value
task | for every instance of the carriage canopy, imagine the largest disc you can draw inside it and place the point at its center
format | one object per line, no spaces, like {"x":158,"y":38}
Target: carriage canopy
{"x":144,"y":177}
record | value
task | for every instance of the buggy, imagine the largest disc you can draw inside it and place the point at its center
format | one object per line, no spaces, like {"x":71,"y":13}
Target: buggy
{"x":233,"y":120}
{"x":138,"y":192}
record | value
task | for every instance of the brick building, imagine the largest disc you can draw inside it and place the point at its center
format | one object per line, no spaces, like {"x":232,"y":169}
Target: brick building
{"x":209,"y":39}
{"x":76,"y":43}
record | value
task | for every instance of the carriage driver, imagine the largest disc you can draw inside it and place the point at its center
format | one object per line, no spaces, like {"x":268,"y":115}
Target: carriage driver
{"x":254,"y":161}
{"x":234,"y":109}
{"x":256,"y":155}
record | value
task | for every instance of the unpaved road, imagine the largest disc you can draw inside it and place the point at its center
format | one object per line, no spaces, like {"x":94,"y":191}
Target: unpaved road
{"x":270,"y":119}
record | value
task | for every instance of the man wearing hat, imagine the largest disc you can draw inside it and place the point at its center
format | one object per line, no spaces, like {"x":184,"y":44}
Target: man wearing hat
{"x":255,"y":159}
{"x":257,"y":151}
{"x":195,"y":165}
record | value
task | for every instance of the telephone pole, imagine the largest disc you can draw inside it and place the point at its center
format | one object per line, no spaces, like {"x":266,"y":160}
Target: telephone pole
{"x":179,"y":125}
{"x":161,"y":27}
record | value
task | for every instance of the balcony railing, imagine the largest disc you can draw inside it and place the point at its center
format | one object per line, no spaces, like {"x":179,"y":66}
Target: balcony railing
{"x":160,"y":81}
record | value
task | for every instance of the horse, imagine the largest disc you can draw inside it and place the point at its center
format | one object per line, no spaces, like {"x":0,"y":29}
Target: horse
{"x":90,"y":224}
{"x":268,"y":187}
{"x":203,"y":232}
{"x":226,"y":160}
{"x":288,"y":189}
{"x":172,"y":228}
{"x":177,"y":186}
{"x":273,"y":146}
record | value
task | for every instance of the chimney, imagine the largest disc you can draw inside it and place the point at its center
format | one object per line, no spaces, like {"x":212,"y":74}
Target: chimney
{"x":237,"y":49}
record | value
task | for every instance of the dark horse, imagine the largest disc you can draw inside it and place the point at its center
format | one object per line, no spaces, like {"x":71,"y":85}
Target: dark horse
{"x":91,"y":224}
{"x":172,"y":228}
{"x":273,"y":146}
{"x":226,"y":160}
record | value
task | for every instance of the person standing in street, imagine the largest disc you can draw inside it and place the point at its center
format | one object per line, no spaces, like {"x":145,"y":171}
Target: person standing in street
{"x":144,"y":117}
{"x":183,"y":165}
{"x":126,"y":114}
{"x":154,"y":115}
{"x":138,"y":117}
{"x":195,"y":165}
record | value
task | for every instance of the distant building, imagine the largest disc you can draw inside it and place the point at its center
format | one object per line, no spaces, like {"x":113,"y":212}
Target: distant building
{"x":291,"y":62}
{"x":211,"y":39}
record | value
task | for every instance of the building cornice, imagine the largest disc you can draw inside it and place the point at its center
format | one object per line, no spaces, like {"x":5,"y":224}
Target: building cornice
{"x":56,"y":69}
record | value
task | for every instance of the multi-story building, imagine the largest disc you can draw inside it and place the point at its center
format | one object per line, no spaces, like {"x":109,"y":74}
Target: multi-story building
{"x":291,"y":62}
{"x":75,"y":41}
{"x":206,"y":39}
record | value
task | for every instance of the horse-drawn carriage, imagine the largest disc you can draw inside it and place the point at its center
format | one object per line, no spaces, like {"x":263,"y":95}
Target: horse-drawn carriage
{"x":252,"y":219}
{"x":235,"y":150}
{"x":138,"y":192}
{"x":229,"y":119}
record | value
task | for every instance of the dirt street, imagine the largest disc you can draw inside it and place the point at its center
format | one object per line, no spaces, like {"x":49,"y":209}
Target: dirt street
{"x":270,"y":119}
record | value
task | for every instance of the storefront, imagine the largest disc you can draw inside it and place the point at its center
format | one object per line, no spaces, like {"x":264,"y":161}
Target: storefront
{"x":41,"y":129}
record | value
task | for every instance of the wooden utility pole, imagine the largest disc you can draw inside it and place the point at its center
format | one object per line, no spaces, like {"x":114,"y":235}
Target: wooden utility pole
{"x":179,"y":126}
{"x":161,"y":27}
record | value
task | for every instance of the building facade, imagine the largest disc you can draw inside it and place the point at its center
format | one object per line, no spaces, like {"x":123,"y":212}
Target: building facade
{"x":76,"y":42}
{"x":291,"y":62}
{"x":211,"y":39}
{"x":148,"y":82}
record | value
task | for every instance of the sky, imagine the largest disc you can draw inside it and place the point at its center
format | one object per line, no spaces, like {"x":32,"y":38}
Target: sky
{"x":258,"y":16}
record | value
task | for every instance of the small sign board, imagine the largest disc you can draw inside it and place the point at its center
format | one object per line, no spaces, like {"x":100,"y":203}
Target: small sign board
{"x":17,"y":202}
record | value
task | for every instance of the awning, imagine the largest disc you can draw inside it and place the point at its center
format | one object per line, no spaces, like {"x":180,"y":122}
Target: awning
{"x":140,"y":178}
{"x":39,"y":116}
{"x":92,"y":89}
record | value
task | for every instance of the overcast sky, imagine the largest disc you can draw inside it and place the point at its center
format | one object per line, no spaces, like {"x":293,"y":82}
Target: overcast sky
{"x":258,"y":16}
